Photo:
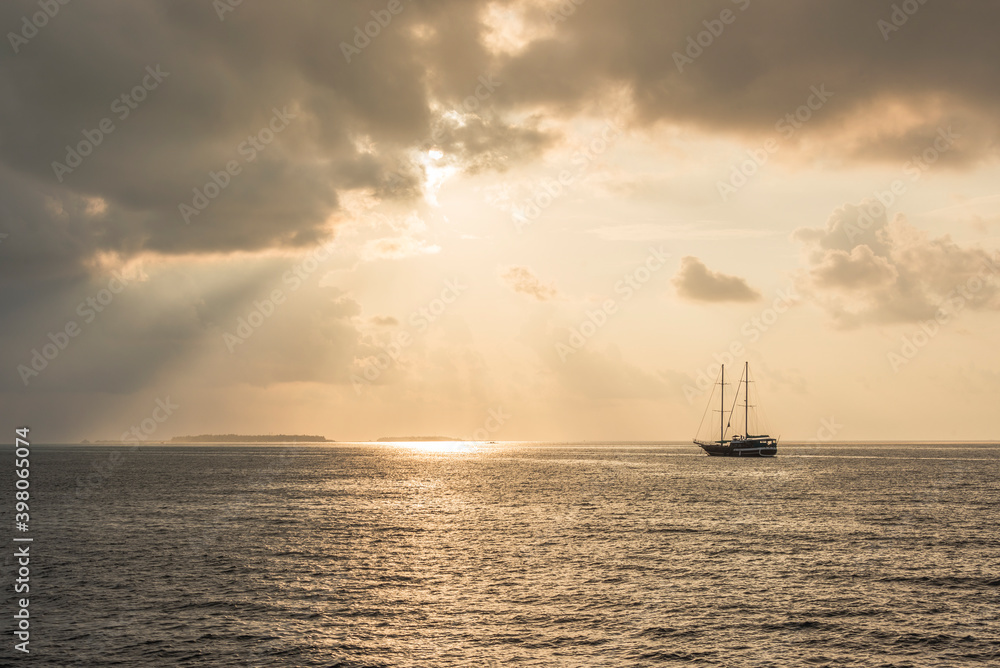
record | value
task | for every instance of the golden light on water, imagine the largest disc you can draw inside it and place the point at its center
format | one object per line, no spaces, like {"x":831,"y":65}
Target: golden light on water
{"x":439,"y":447}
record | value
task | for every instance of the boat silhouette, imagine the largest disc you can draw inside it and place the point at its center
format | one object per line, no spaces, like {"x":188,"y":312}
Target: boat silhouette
{"x":737,"y":445}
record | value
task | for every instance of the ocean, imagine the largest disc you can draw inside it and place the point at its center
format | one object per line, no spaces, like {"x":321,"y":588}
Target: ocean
{"x":510,"y":554}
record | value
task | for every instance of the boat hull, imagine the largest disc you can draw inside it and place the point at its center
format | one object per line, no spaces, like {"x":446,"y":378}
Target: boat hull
{"x":763,"y":448}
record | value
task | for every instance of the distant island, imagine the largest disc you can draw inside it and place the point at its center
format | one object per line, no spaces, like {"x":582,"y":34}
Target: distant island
{"x":389,"y":439}
{"x":244,"y":438}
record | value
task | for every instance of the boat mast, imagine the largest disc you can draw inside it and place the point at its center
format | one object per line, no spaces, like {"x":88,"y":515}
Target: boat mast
{"x":722,"y":406}
{"x":746,"y":400}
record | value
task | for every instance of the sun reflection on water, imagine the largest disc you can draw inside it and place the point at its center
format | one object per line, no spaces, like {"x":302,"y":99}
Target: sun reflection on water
{"x":438,"y":447}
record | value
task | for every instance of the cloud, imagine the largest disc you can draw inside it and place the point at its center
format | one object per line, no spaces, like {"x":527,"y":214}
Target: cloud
{"x":859,"y":269}
{"x":698,"y":283}
{"x":485,"y":142}
{"x":487,"y":97}
{"x":344,"y":126}
{"x":763,"y":65}
{"x":863,"y":269}
{"x":523,"y":281}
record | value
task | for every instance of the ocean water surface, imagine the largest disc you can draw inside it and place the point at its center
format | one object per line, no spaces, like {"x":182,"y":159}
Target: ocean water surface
{"x":512,"y":554}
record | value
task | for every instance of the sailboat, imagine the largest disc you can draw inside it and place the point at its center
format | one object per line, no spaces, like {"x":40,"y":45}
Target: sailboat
{"x":738,"y":445}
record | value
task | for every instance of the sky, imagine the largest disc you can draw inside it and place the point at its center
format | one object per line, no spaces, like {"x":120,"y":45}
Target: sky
{"x":498,"y":220}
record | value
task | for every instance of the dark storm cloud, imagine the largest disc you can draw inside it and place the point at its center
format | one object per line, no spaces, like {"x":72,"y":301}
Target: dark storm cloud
{"x":933,"y":71}
{"x":418,"y":83}
{"x":253,"y":122}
